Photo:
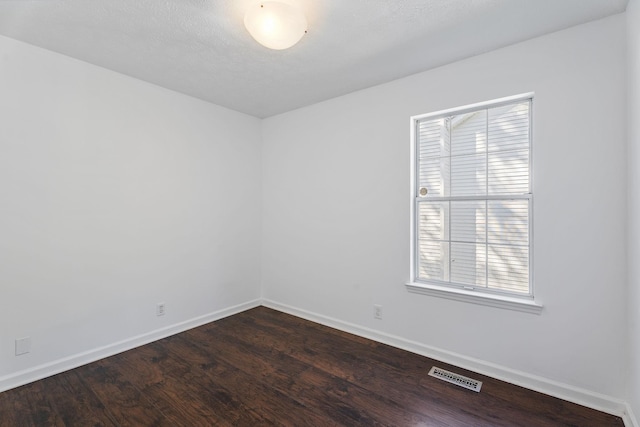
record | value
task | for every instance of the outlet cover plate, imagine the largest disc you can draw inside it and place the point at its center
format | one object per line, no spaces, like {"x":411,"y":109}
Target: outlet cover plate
{"x":23,"y":346}
{"x":377,"y":311}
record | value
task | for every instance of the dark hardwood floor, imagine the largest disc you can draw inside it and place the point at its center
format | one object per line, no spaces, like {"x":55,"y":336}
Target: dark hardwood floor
{"x":263,"y":367}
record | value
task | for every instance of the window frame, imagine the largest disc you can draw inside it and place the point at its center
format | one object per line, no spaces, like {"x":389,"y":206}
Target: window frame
{"x":470,"y":293}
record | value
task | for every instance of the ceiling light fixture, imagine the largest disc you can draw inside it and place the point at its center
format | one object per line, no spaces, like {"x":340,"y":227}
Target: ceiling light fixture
{"x":275,"y":24}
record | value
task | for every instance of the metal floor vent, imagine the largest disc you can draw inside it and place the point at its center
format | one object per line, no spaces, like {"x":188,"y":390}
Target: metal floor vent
{"x":456,"y":379}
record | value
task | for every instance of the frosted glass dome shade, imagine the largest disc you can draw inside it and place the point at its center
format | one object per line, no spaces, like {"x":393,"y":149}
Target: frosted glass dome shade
{"x":275,"y":25}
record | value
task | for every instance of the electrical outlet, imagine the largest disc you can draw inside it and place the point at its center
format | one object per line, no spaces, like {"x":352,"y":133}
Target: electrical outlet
{"x":377,"y":311}
{"x":23,"y":345}
{"x":160,"y":309}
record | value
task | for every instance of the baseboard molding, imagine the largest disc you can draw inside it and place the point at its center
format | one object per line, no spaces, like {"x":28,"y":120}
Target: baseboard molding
{"x":629,"y":418}
{"x":567,"y":392}
{"x":553,"y":388}
{"x":55,"y":367}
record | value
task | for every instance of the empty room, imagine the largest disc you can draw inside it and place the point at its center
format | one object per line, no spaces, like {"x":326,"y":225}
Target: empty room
{"x":320,"y":213}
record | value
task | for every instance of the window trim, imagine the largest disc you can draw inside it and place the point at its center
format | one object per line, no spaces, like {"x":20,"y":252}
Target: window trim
{"x":525,"y":303}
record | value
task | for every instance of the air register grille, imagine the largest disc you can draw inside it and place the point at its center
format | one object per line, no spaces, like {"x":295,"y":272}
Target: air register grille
{"x":456,"y":379}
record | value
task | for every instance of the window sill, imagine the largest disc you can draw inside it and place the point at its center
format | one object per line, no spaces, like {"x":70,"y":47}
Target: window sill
{"x":499,"y":301}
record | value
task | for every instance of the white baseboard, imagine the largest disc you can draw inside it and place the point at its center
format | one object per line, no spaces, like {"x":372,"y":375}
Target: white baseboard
{"x":553,"y":388}
{"x":629,"y":418}
{"x":567,"y":392}
{"x":55,"y":367}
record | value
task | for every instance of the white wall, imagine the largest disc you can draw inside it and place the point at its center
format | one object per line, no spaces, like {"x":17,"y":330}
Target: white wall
{"x":336,"y":209}
{"x":115,"y":195}
{"x":633,"y":114}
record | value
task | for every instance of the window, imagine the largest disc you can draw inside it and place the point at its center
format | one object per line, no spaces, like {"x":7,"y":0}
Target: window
{"x":472,"y":201}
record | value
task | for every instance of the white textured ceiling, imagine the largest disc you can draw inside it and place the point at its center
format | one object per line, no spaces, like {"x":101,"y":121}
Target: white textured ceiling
{"x":200,"y":47}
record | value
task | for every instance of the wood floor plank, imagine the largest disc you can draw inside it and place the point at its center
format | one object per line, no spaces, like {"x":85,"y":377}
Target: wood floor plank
{"x":400,"y":366}
{"x":127,"y":406}
{"x":339,"y":359}
{"x":248,"y":384}
{"x":180,"y":392}
{"x":264,"y":367}
{"x":15,"y":408}
{"x":312,"y":388}
{"x":74,"y":402}
{"x":41,"y":410}
{"x":322,"y":386}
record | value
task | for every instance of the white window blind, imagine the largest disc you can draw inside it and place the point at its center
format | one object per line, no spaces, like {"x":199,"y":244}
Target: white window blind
{"x":472,"y":201}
